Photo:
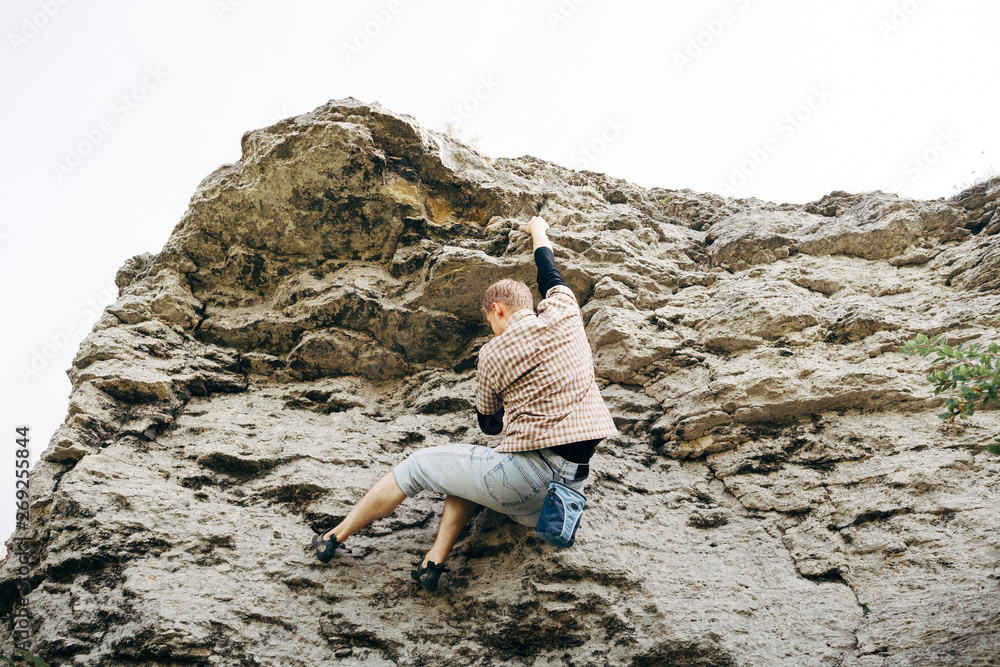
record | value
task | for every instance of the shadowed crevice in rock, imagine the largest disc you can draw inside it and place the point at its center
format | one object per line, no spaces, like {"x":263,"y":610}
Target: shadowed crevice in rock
{"x":781,"y":492}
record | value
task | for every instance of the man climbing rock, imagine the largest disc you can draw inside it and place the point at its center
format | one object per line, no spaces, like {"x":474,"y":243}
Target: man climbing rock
{"x":537,"y":375}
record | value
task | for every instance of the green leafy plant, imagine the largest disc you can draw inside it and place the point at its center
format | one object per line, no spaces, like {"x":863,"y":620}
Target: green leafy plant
{"x":27,"y":657}
{"x":972,"y":372}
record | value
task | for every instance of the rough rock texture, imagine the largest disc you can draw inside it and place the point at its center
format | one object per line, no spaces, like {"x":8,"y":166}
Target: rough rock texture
{"x":782,"y":492}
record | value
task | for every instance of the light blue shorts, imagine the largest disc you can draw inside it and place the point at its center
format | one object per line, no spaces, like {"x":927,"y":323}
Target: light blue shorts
{"x":514,"y":484}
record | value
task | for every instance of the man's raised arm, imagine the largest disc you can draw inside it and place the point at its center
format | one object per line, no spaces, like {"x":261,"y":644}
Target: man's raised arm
{"x":548,"y":274}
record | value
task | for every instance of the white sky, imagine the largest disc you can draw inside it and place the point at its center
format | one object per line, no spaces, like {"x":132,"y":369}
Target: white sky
{"x":898,"y":95}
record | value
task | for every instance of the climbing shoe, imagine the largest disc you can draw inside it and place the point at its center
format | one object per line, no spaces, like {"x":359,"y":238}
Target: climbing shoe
{"x":326,"y":548}
{"x":428,"y":576}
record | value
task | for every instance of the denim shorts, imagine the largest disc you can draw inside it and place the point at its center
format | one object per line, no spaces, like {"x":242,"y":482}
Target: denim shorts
{"x":513,"y":483}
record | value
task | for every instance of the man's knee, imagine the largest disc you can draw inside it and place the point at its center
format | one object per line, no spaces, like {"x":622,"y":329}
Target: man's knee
{"x":447,"y":469}
{"x":406,"y":478}
{"x":419,"y":471}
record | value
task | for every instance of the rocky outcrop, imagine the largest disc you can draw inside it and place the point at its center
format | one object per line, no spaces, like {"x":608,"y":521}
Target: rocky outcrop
{"x":781,"y":494}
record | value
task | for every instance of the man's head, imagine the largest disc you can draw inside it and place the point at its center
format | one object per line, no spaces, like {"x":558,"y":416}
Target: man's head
{"x":502,"y":299}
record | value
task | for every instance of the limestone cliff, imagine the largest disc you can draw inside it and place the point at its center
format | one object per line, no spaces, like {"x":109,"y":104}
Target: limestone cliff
{"x":782,"y":493}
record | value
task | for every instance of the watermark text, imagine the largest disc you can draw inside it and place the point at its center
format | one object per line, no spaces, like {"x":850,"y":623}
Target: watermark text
{"x":223,"y":8}
{"x":900,"y":15}
{"x":920,"y":163}
{"x":32,"y":25}
{"x":121,"y":109}
{"x":364,"y":35}
{"x":562,"y":12}
{"x":590,"y":151}
{"x":711,"y":30}
{"x":786,"y":127}
{"x":21,"y":555}
{"x":461,"y":110}
{"x":87,"y":311}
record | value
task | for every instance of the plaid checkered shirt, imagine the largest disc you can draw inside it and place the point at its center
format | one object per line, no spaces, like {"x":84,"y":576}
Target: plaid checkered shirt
{"x":541,"y":371}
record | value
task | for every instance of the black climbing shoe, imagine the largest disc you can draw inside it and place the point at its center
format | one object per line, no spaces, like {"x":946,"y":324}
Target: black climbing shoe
{"x":428,"y":576}
{"x":326,"y":548}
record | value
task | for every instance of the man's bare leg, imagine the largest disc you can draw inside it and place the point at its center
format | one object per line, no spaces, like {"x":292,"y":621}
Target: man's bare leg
{"x":456,"y":513}
{"x":381,"y":499}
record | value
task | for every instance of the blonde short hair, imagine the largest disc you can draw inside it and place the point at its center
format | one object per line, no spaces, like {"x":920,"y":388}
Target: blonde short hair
{"x":512,"y":293}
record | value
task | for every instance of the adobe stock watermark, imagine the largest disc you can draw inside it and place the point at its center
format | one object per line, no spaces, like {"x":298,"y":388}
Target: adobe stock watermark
{"x":33,"y":24}
{"x":88,"y":311}
{"x":21,"y":555}
{"x":900,"y":15}
{"x":468,"y":105}
{"x":590,"y":151}
{"x":562,"y":12}
{"x":365,"y":34}
{"x":223,"y":8}
{"x":710,"y":32}
{"x":920,"y":163}
{"x":121,"y":109}
{"x":786,"y":127}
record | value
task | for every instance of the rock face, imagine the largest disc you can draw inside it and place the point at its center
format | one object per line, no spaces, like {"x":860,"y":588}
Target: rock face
{"x":781,"y":494}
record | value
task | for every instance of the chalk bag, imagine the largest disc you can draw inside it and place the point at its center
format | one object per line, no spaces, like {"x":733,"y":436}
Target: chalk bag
{"x":561,"y":514}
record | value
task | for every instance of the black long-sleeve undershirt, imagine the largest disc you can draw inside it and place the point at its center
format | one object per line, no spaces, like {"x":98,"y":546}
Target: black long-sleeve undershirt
{"x":548,"y":274}
{"x":490,"y":424}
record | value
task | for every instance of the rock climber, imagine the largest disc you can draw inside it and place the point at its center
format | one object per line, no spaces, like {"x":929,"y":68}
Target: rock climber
{"x":537,"y":375}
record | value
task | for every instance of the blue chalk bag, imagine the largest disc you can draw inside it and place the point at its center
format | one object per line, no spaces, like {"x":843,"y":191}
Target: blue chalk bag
{"x":561,"y":515}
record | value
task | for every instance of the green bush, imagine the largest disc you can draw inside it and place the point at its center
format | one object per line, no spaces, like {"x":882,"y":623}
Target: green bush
{"x":975,"y":374}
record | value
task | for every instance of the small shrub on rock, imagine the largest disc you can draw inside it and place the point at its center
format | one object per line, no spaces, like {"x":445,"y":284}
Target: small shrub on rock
{"x":972,"y":372}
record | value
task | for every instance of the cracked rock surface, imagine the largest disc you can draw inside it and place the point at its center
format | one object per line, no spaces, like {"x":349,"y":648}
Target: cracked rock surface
{"x":782,"y":493}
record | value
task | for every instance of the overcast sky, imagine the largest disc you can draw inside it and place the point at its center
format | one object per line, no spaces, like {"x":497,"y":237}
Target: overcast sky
{"x":116,"y":110}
